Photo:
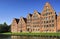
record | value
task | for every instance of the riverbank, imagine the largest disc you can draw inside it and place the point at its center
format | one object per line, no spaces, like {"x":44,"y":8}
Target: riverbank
{"x":33,"y":34}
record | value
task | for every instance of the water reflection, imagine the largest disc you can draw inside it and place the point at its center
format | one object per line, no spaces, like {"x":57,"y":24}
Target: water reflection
{"x":4,"y":37}
{"x":33,"y":37}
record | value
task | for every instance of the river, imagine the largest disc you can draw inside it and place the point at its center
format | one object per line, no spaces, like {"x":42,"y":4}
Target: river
{"x":27,"y":37}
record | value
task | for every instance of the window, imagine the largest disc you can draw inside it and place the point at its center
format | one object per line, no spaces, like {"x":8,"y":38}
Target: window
{"x":45,"y":14}
{"x":34,"y":26}
{"x":52,"y":25}
{"x":52,"y":20}
{"x":47,"y":26}
{"x":35,"y":22}
{"x":35,"y":17}
{"x":51,"y":12}
{"x":46,"y":10}
{"x":46,"y":21}
{"x":52,"y":17}
{"x":46,"y":18}
{"x":49,"y":21}
{"x":47,"y":7}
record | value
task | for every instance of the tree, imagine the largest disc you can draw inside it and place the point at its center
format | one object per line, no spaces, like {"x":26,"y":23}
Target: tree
{"x":5,"y":24}
{"x":4,"y":27}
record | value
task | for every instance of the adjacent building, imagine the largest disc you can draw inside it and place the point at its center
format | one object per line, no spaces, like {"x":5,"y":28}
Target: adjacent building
{"x":46,"y":21}
{"x":22,"y":25}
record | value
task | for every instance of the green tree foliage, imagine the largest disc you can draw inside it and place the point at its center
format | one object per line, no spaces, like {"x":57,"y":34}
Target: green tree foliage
{"x":4,"y":27}
{"x":5,"y":24}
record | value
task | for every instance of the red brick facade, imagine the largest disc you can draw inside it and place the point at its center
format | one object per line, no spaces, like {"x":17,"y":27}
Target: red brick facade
{"x":58,"y":22}
{"x":47,"y":21}
{"x":22,"y":25}
{"x":14,"y":25}
{"x":29,"y":22}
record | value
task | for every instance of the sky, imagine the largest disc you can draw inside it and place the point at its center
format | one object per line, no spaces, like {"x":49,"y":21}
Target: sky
{"x":10,"y":9}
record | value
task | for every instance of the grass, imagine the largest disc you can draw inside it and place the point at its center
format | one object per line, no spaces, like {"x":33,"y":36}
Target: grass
{"x":33,"y":34}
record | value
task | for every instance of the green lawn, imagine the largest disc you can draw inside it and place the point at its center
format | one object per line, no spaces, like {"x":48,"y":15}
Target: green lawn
{"x":33,"y":34}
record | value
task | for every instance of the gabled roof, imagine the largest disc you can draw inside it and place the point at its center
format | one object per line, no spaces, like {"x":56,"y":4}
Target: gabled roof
{"x":39,"y":13}
{"x":47,"y":6}
{"x":17,"y":20}
{"x":30,"y":14}
{"x":25,"y":19}
{"x":35,"y":11}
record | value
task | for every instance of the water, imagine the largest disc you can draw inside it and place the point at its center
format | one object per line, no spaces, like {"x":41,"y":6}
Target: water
{"x":27,"y":37}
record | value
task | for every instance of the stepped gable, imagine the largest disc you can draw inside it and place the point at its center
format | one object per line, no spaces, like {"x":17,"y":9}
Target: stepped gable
{"x":35,"y":11}
{"x":25,"y":19}
{"x":47,"y":6}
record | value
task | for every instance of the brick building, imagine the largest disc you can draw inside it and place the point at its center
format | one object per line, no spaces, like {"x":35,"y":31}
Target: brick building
{"x":22,"y":25}
{"x":14,"y":25}
{"x":46,"y":21}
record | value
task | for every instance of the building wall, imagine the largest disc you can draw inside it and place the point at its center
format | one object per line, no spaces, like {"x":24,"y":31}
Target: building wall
{"x":21,"y":25}
{"x":14,"y":26}
{"x":47,"y":21}
{"x":29,"y":22}
{"x":58,"y":23}
{"x":35,"y":22}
